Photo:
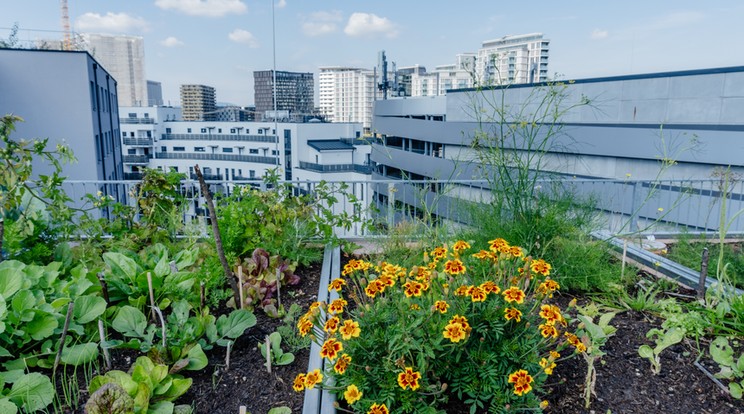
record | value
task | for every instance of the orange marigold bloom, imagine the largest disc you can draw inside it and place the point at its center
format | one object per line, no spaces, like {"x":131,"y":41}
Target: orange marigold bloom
{"x":496,"y":245}
{"x":337,"y":306}
{"x":374,"y":287}
{"x":460,"y":245}
{"x":554,"y":355}
{"x":409,"y":378}
{"x":313,"y":378}
{"x":304,"y":325}
{"x":336,"y":284}
{"x":387,"y":279}
{"x":580,"y":347}
{"x":441,"y":306}
{"x":490,"y":287}
{"x":478,"y":295}
{"x":352,"y":394}
{"x":540,"y":266}
{"x":454,"y":332}
{"x":548,"y":365}
{"x":299,"y":382}
{"x":513,"y":313}
{"x":548,"y":287}
{"x":521,"y":380}
{"x":551,"y":314}
{"x":548,"y":331}
{"x":420,"y":272}
{"x":454,"y":267}
{"x":514,"y":294}
{"x":484,"y":255}
{"x":413,"y":289}
{"x":342,"y":363}
{"x":439,"y":253}
{"x":516,"y":251}
{"x":330,"y":349}
{"x":460,"y":319}
{"x":331,"y":325}
{"x":462,"y":290}
{"x":349,"y":329}
{"x":378,"y":409}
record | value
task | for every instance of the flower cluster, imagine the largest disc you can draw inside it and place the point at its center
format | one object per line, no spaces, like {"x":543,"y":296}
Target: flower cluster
{"x":398,"y":335}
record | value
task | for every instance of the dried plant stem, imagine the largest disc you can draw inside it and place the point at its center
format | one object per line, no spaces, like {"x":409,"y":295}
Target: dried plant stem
{"x":227,"y":355}
{"x":162,"y":322}
{"x":104,"y":286}
{"x":278,"y":290}
{"x":102,"y":335}
{"x":268,"y":354}
{"x":240,"y":286}
{"x":70,"y":307}
{"x":152,"y":295}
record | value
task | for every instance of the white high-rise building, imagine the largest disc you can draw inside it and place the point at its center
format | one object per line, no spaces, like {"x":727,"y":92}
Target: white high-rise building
{"x":124,"y":58}
{"x":513,"y":59}
{"x":347,"y":94}
{"x":459,"y":75}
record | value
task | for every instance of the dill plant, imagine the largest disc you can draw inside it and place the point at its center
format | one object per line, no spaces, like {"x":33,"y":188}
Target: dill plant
{"x":463,"y":326}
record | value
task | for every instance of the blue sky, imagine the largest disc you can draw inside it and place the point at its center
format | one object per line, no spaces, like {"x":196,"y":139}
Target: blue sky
{"x":221,"y":42}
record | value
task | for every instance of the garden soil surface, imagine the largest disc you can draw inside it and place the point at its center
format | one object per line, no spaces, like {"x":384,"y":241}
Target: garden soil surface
{"x":624,"y":383}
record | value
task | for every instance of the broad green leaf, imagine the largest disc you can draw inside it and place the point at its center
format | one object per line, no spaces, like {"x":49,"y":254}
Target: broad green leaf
{"x":130,"y":321}
{"x":184,"y":259}
{"x":645,"y":351}
{"x":142,"y":397}
{"x":177,"y":388}
{"x":275,"y":339}
{"x":197,"y":358}
{"x":162,"y":407}
{"x":23,"y":300}
{"x":7,"y":407}
{"x":162,"y":269}
{"x":121,"y":266}
{"x":99,"y":381}
{"x":285,"y":359}
{"x":10,"y":376}
{"x":736,"y":390}
{"x":722,"y":352}
{"x":280,"y":410}
{"x":4,"y":352}
{"x":80,"y":353}
{"x":125,"y":380}
{"x":88,"y":308}
{"x":234,"y":325}
{"x":42,"y":326}
{"x":32,"y":392}
{"x":672,"y":336}
{"x":183,"y":409}
{"x":11,"y":277}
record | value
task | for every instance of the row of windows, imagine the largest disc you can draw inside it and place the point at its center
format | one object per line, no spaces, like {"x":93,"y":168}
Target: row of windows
{"x":229,"y":150}
{"x":219,"y":130}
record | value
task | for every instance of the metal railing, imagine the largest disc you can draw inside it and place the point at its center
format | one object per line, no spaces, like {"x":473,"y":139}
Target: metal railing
{"x":220,"y":137}
{"x":136,"y":159}
{"x":363,"y":169}
{"x":146,"y":142}
{"x":136,"y":120}
{"x":215,"y":157}
{"x":619,"y":206}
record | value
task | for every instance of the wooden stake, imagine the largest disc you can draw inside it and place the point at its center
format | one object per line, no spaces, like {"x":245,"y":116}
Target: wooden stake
{"x":240,"y":285}
{"x":625,"y":257}
{"x":278,"y":291}
{"x":216,"y":230}
{"x":162,"y":322}
{"x":268,"y":354}
{"x":227,"y":355}
{"x":703,"y":275}
{"x":104,"y":286}
{"x":106,"y":355}
{"x":242,"y":409}
{"x":70,"y":307}
{"x":152,"y":296}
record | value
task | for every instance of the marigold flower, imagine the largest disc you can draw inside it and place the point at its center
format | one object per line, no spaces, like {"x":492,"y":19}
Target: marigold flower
{"x":341,"y":364}
{"x":441,"y":306}
{"x":374,"y":287}
{"x":349,"y":329}
{"x":544,"y":404}
{"x":454,"y":267}
{"x":313,"y":378}
{"x":548,"y":287}
{"x":478,"y":295}
{"x":439,"y":253}
{"x":496,"y":245}
{"x":304,"y":325}
{"x":352,"y":394}
{"x":299,"y":382}
{"x":387,"y":280}
{"x":514,"y":294}
{"x":316,"y":305}
{"x":521,"y":380}
{"x":460,"y":245}
{"x":336,"y":284}
{"x":462,"y":290}
{"x":337,"y":306}
{"x":540,"y":266}
{"x":331,"y":325}
{"x":454,"y":332}
{"x":513,"y":313}
{"x":554,"y":355}
{"x":413,"y":289}
{"x":484,"y":255}
{"x":516,"y":251}
{"x":378,"y":409}
{"x":460,"y":319}
{"x":548,"y":365}
{"x":490,"y":287}
{"x":420,"y":272}
{"x":330,"y":349}
{"x":580,"y":347}
{"x":548,"y":331}
{"x":551,"y":314}
{"x":409,"y":378}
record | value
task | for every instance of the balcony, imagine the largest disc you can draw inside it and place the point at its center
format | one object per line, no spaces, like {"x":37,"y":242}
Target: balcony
{"x":216,"y":157}
{"x":137,"y":159}
{"x":133,"y":176}
{"x":362,"y":169}
{"x":136,"y":121}
{"x":208,"y":177}
{"x":138,"y":142}
{"x":220,"y":137}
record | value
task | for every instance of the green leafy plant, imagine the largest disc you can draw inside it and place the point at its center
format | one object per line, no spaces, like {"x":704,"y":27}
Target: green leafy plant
{"x":149,"y":385}
{"x":287,"y":330}
{"x":594,"y":336}
{"x":731,"y":369}
{"x":29,"y":393}
{"x":277,"y":356}
{"x":260,"y":273}
{"x":663,"y":339}
{"x":465,"y":325}
{"x":110,"y":398}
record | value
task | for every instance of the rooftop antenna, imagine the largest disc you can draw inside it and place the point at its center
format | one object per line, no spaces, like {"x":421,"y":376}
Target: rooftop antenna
{"x":273,"y":43}
{"x":383,"y":85}
{"x":67,"y":39}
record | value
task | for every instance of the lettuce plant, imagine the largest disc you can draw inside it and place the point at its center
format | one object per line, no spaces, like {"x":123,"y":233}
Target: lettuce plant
{"x":259,"y":279}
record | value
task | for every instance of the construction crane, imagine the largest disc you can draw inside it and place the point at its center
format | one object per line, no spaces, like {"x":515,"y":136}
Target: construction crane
{"x":67,"y":39}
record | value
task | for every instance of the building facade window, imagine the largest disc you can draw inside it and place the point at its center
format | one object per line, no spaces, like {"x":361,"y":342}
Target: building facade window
{"x":179,"y":149}
{"x":253,"y":151}
{"x":227,"y":149}
{"x":199,"y":149}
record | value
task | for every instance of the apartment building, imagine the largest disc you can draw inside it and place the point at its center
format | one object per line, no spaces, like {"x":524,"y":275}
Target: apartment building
{"x":294,"y":93}
{"x":123,"y":57}
{"x":198,"y":102}
{"x":347,"y":94}
{"x":513,"y":60}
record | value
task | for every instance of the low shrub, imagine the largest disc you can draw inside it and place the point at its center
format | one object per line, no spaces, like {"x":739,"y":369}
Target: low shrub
{"x":465,"y":325}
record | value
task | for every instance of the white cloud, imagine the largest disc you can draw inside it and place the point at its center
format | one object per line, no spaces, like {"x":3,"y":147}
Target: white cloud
{"x":321,"y":23}
{"x":243,"y":36}
{"x":281,"y":4}
{"x":208,"y":8}
{"x":110,"y":23}
{"x":599,"y":34}
{"x":171,"y":41}
{"x":370,"y":25}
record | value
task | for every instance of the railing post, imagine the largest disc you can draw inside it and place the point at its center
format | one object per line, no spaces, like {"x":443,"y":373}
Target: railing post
{"x":633,"y":213}
{"x":391,"y":205}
